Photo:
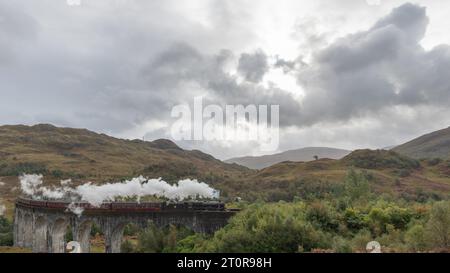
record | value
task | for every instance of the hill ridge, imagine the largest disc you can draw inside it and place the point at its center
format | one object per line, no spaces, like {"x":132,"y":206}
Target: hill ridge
{"x":431,"y":145}
{"x":295,"y":155}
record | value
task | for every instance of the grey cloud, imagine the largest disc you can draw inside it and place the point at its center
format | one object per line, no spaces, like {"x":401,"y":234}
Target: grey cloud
{"x":410,"y":18}
{"x":182,"y":66}
{"x":365,"y":73}
{"x":90,"y":66}
{"x":254,"y":66}
{"x":287,"y":66}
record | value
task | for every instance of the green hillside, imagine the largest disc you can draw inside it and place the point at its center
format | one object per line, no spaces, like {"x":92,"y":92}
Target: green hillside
{"x":433,"y":145}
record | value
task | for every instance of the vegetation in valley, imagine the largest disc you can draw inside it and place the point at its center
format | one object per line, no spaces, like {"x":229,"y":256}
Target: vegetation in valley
{"x":342,"y":222}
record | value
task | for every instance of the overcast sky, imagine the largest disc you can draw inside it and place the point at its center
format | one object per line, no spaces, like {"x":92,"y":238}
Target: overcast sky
{"x":346,"y":74}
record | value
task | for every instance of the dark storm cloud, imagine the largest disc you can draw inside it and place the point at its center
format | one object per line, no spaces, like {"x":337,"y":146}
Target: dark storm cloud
{"x":88,"y":66}
{"x":254,"y":66}
{"x":181,"y":66}
{"x":367,"y":72}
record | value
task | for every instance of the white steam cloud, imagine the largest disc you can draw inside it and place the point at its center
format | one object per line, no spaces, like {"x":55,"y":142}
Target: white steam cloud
{"x":141,"y":186}
{"x":31,"y":185}
{"x":72,"y":207}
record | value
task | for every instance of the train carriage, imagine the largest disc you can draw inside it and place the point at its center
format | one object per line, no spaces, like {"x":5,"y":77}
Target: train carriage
{"x":128,"y":206}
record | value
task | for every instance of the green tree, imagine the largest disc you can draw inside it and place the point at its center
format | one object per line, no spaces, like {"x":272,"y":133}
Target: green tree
{"x":6,"y":232}
{"x":151,"y":240}
{"x":356,"y":186}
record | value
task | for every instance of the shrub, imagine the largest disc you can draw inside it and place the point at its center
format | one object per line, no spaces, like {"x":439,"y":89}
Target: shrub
{"x":127,"y":247}
{"x":161,"y":240}
{"x":341,"y":245}
{"x":434,"y":161}
{"x":354,"y":219}
{"x":130,"y":230}
{"x":6,"y":239}
{"x":6,"y":232}
{"x":438,"y":226}
{"x":322,"y":216}
{"x":404,"y":172}
{"x":415,"y":238}
{"x":360,"y":240}
{"x":380,"y":159}
{"x":21,"y":168}
{"x":269,"y":228}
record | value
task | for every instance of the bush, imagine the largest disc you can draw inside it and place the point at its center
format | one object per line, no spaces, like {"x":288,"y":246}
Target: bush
{"x":161,"y":240}
{"x":322,"y":216}
{"x":127,"y":247}
{"x":269,"y":228}
{"x":21,"y":168}
{"x":360,"y":240}
{"x":415,"y":238}
{"x":6,"y":239}
{"x":434,"y":161}
{"x":341,"y":245}
{"x":6,"y":232}
{"x":380,"y":159}
{"x":438,"y":227}
{"x":151,"y":240}
{"x":404,"y":172}
{"x":130,"y":230}
{"x":354,"y":219}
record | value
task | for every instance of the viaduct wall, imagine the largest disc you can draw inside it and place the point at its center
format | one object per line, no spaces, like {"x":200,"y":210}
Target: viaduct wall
{"x":44,"y":229}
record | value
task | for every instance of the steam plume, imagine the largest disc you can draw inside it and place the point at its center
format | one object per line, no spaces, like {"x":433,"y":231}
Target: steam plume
{"x":31,"y":185}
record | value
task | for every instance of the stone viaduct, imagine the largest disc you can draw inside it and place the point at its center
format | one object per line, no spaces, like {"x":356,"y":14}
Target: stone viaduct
{"x":42,"y":227}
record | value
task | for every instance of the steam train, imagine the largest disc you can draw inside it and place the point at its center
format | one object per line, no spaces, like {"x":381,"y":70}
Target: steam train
{"x":126,"y":206}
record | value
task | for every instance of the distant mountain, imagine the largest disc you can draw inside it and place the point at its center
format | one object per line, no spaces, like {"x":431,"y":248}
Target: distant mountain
{"x":304,"y":154}
{"x":389,"y":147}
{"x":433,"y":145}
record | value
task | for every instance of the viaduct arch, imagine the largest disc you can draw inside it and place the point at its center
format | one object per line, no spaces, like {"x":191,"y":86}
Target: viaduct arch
{"x":42,"y":226}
